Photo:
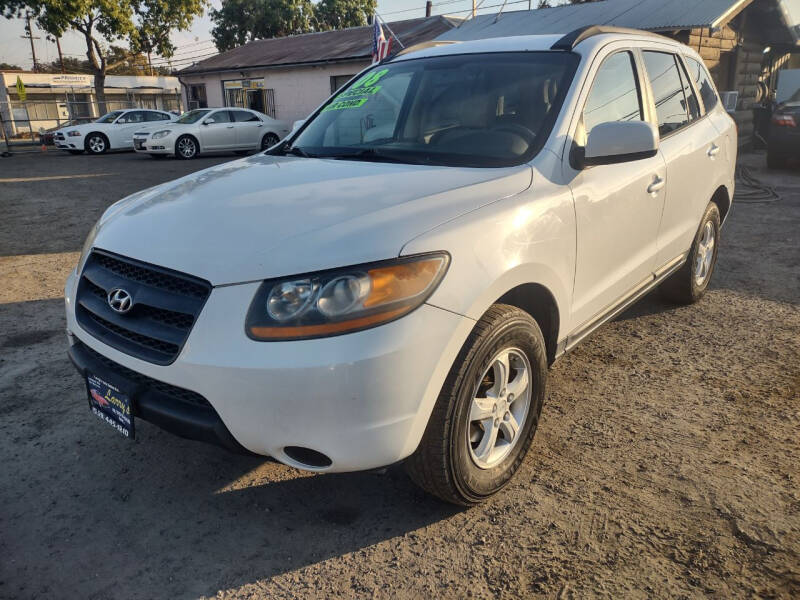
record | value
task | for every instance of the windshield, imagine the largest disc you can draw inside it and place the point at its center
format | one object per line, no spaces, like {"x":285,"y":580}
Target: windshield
{"x":110,"y":117}
{"x":193,"y":116}
{"x":481,"y":110}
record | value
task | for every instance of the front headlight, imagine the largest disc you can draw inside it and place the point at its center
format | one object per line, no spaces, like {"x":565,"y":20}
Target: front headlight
{"x":74,"y":133}
{"x":161,"y":134}
{"x":343,"y":300}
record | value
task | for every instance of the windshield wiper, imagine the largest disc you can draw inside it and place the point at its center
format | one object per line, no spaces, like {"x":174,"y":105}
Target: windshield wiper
{"x":293,"y":150}
{"x":373,"y":155}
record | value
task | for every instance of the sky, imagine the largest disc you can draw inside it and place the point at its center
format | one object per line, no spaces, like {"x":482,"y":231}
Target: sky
{"x":196,"y":43}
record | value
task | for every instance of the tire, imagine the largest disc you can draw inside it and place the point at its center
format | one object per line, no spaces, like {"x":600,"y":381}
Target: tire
{"x":96,"y":143}
{"x":451,"y":461}
{"x":689,"y":283}
{"x":76,"y":152}
{"x":158,"y":156}
{"x":186,"y":147}
{"x":269,"y":140}
{"x":775,"y":161}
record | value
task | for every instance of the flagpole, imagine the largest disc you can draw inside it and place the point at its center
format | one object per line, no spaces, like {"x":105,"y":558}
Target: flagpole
{"x":390,"y":31}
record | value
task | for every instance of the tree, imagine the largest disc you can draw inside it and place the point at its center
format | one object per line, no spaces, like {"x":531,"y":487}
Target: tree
{"x":144,"y":24}
{"x":240,"y":21}
{"x":4,"y":66}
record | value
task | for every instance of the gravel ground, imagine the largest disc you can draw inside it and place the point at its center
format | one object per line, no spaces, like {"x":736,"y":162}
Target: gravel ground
{"x":666,"y":463}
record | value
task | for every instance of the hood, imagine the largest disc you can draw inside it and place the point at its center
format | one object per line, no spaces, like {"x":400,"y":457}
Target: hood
{"x":267,"y":216}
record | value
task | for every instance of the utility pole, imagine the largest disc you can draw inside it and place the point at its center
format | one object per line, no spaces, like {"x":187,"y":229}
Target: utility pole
{"x":149,"y":63}
{"x":60,"y":56}
{"x":29,"y":35}
{"x":473,"y":9}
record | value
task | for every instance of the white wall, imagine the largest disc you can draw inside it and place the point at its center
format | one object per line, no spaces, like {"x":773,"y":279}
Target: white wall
{"x":298,"y":90}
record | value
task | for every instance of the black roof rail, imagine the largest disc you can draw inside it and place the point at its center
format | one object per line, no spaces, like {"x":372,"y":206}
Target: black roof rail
{"x":572,"y":39}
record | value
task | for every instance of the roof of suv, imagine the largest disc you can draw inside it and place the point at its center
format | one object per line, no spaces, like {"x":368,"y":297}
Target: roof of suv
{"x":533,"y":43}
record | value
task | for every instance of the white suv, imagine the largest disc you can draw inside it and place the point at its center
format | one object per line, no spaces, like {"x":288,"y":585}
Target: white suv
{"x":392,"y":281}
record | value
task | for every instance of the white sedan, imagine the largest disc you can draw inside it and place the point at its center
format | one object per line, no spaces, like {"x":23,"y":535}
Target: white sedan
{"x":112,"y":131}
{"x":211,"y":130}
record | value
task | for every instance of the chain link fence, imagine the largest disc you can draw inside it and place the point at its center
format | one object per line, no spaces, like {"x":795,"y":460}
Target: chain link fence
{"x":32,"y":123}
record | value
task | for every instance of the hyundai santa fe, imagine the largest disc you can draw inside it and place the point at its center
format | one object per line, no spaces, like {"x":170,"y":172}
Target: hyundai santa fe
{"x":392,"y":281}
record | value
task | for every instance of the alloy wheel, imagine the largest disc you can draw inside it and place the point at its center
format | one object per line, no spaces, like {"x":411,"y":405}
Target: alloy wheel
{"x":705,"y":254}
{"x":97,"y":144}
{"x":186,"y":147}
{"x":499,"y":408}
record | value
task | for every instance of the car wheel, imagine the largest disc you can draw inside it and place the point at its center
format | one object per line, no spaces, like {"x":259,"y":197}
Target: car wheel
{"x":97,"y":143}
{"x":75,"y":151}
{"x":269,"y":140}
{"x":775,"y":161}
{"x":158,"y":156}
{"x":186,"y":147}
{"x":487,"y":412}
{"x":689,"y":283}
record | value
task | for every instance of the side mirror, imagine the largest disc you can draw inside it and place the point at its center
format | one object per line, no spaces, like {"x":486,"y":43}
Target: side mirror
{"x":209,"y":121}
{"x":619,"y":142}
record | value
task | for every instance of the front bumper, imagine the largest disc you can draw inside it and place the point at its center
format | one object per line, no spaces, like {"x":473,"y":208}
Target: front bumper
{"x":362,"y":399}
{"x":148,"y":146}
{"x":64,"y":142}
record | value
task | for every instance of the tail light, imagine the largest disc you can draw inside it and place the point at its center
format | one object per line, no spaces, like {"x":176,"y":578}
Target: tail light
{"x":784,"y":120}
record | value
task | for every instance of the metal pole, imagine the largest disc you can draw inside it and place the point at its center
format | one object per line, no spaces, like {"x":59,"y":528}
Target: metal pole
{"x":428,"y":8}
{"x":29,"y":35}
{"x":60,"y":56}
{"x":473,"y":9}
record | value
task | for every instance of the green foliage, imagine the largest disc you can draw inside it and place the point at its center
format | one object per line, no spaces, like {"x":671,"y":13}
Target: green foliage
{"x":240,"y":21}
{"x":4,"y":66}
{"x":144,"y":24}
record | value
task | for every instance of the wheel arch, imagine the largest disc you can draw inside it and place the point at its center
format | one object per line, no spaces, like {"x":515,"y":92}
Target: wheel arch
{"x":722,"y":199}
{"x":539,"y":302}
{"x":191,"y":135}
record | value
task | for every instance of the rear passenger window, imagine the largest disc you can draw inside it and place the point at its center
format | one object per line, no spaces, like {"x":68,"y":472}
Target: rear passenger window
{"x":242,"y":116}
{"x":671,"y":105}
{"x":688,"y":93}
{"x":615,"y":93}
{"x":702,"y":82}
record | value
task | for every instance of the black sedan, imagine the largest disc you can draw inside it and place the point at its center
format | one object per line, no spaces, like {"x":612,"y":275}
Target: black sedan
{"x":784,"y":133}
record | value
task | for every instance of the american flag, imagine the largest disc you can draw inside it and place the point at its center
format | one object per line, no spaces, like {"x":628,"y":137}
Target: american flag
{"x":380,"y":45}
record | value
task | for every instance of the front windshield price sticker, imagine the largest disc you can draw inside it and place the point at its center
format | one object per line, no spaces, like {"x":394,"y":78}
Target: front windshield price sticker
{"x":363,"y":87}
{"x":110,"y":405}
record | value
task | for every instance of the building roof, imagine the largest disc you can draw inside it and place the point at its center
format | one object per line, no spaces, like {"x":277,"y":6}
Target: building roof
{"x":354,"y":43}
{"x":651,"y":15}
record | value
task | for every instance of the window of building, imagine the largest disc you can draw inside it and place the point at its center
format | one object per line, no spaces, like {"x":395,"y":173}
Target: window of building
{"x":615,"y":93}
{"x":337,"y":81}
{"x":197,"y":96}
{"x":702,"y":81}
{"x":665,"y":79}
{"x":250,"y":93}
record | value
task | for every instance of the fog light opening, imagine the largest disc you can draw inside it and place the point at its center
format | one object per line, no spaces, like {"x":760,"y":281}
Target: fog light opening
{"x":307,"y":456}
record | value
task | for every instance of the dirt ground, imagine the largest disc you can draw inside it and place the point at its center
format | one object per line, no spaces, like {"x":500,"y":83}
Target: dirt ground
{"x":667,"y":462}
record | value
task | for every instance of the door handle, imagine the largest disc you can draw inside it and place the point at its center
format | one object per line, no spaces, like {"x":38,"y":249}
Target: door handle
{"x":713,"y":151}
{"x":230,"y":127}
{"x":260,"y":125}
{"x":657,"y":184}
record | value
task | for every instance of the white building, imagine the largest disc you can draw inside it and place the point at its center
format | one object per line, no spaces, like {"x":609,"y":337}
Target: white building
{"x":289,"y":77}
{"x":52,"y":99}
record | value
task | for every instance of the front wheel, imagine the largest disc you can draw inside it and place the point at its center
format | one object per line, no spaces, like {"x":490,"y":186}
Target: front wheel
{"x":689,"y":283}
{"x":186,"y":147}
{"x":269,"y":140}
{"x":97,"y":143}
{"x":487,"y":412}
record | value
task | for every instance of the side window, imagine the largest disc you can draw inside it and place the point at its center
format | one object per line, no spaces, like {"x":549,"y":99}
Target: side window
{"x":221,"y":116}
{"x":671,"y":105}
{"x":688,"y":92}
{"x":242,"y":116}
{"x":154,"y":116}
{"x":702,"y":82}
{"x":614,"y":95}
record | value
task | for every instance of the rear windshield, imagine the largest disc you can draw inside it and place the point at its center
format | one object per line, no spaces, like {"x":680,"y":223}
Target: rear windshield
{"x":481,"y":110}
{"x":192,"y":116}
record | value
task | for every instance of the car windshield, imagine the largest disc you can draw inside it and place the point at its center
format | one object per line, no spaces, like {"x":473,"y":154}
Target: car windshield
{"x":193,"y":116}
{"x":480,"y":110}
{"x":110,"y":117}
{"x":795,"y":97}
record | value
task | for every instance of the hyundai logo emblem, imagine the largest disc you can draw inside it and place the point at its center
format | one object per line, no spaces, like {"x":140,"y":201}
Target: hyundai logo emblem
{"x":119,"y":300}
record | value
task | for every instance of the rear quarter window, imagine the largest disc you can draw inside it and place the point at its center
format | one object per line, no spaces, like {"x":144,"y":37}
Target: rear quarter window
{"x":703,"y":83}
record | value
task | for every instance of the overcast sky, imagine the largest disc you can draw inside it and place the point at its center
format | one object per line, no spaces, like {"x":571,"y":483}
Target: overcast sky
{"x":195,"y":43}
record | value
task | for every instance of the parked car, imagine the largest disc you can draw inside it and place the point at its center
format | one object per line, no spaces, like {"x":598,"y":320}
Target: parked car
{"x":47,"y":136}
{"x":348,"y":300}
{"x":211,"y":130}
{"x":112,"y":131}
{"x":783,"y":143}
